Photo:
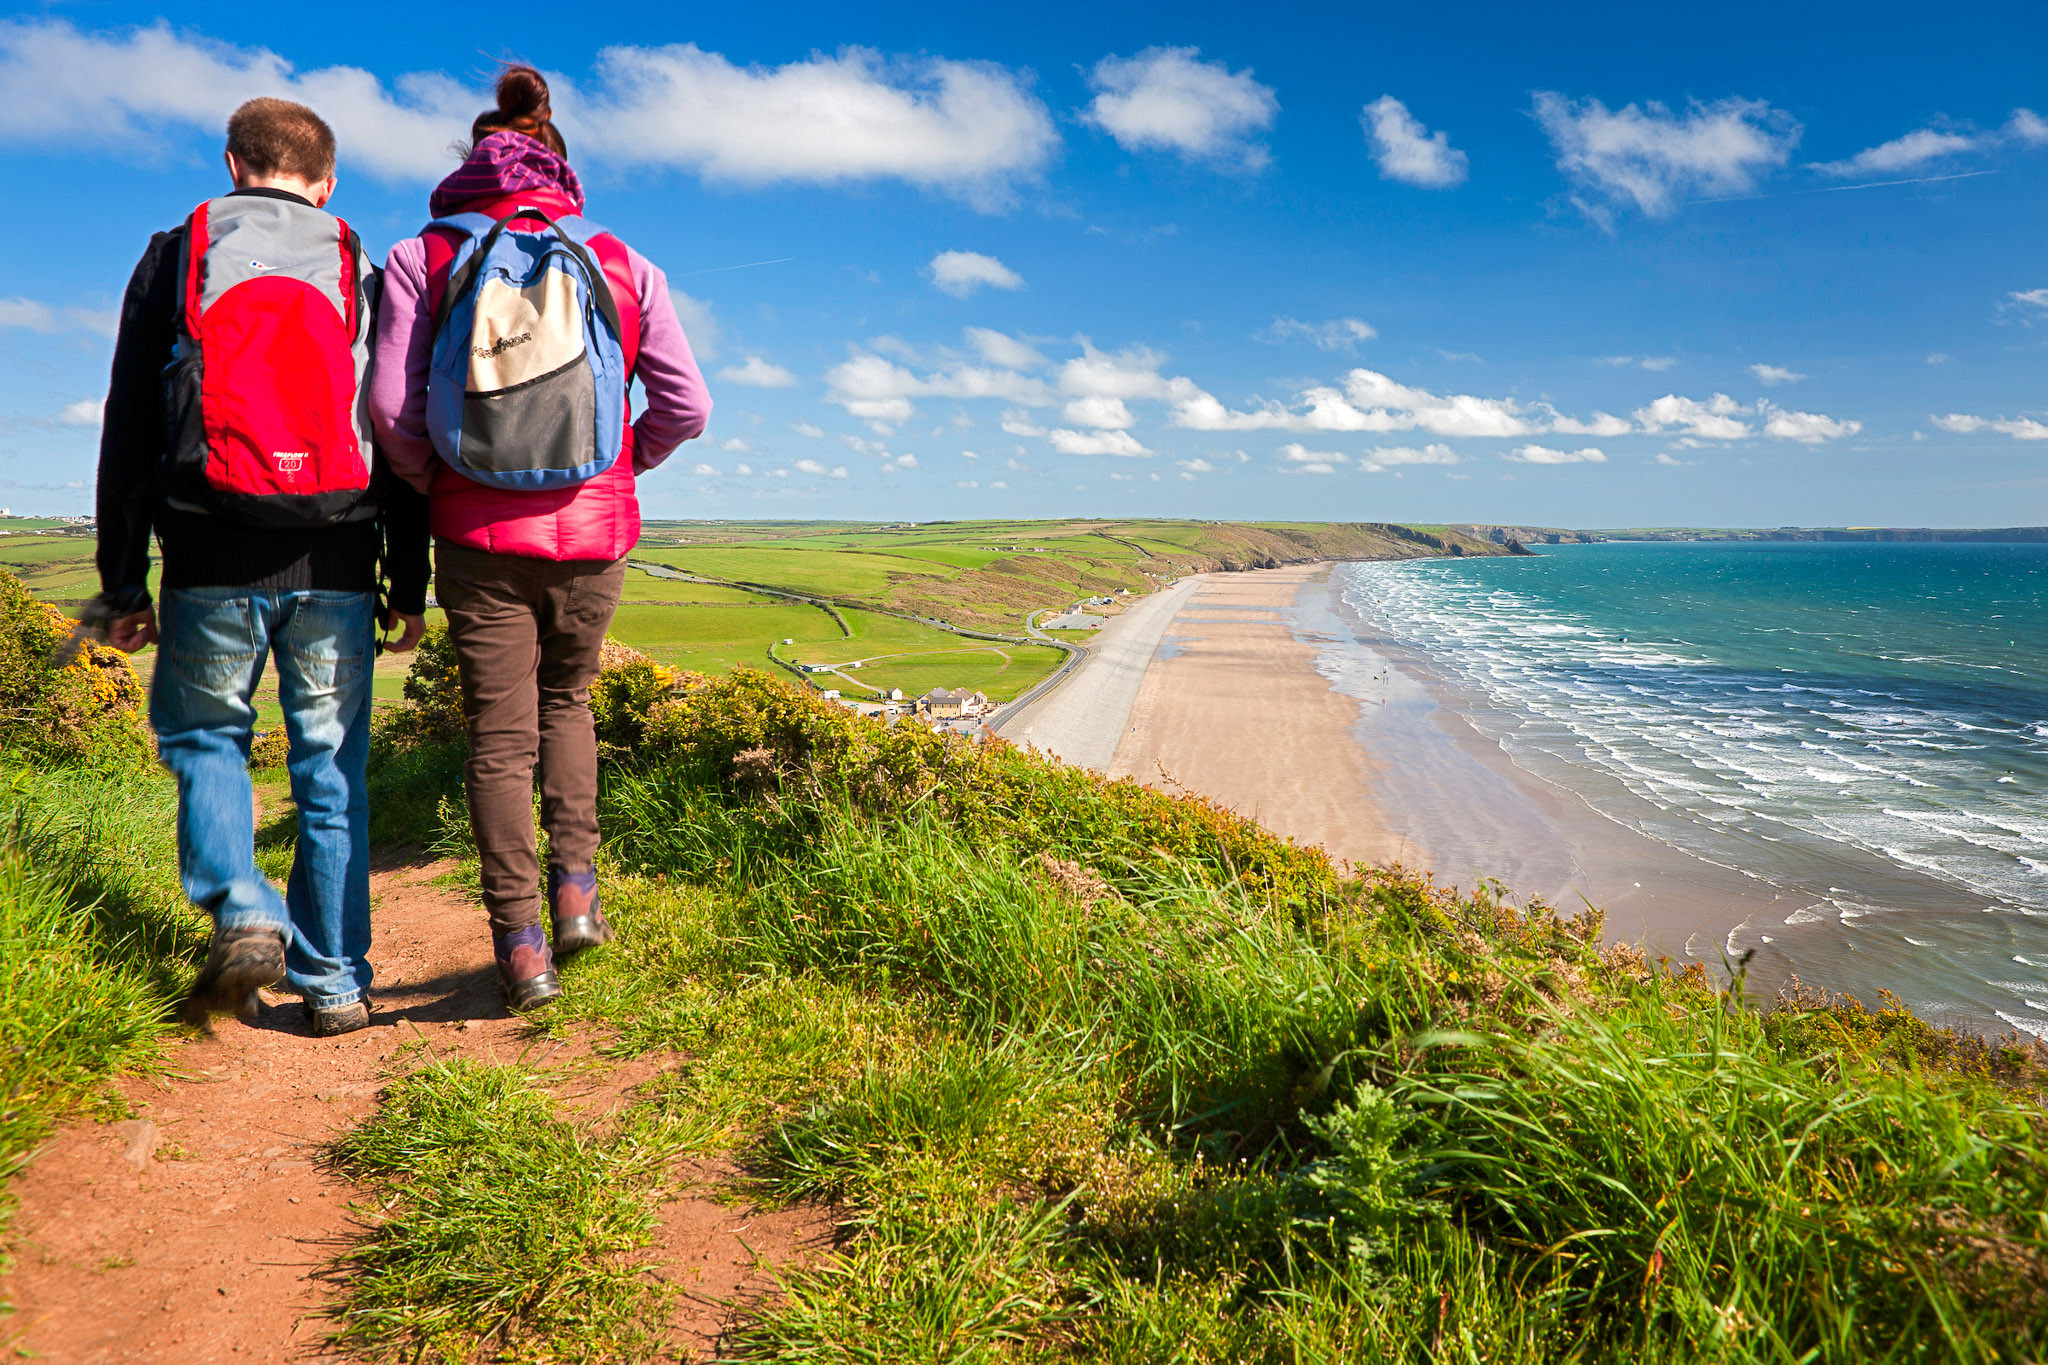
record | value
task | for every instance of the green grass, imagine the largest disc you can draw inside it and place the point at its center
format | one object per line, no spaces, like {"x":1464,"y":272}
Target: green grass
{"x":498,"y":1230}
{"x":95,"y":940}
{"x":57,"y":568}
{"x":829,"y":573}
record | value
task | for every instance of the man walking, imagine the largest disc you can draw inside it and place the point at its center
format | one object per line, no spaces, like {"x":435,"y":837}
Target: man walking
{"x":235,"y":429}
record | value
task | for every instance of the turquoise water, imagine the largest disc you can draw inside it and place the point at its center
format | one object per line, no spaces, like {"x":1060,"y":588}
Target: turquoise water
{"x":1865,"y":725}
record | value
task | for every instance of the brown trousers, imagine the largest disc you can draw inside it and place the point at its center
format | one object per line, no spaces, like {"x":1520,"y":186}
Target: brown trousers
{"x":527,"y":634}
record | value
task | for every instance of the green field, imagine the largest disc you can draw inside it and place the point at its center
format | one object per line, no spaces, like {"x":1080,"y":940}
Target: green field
{"x":982,"y":575}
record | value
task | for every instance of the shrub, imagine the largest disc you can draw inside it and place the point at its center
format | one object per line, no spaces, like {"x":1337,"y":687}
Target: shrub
{"x":270,"y":749}
{"x":748,"y":730}
{"x":86,"y":711}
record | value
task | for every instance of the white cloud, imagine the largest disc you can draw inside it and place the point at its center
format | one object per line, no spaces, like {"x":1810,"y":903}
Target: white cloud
{"x":807,"y":429}
{"x":1599,"y":424}
{"x":967,"y":483}
{"x":999,"y":484}
{"x":1546,"y":455}
{"x":1306,"y":461}
{"x":1382,"y":458}
{"x":2020,"y":428}
{"x":735,"y":443}
{"x":1807,"y":428}
{"x":1713,"y":420}
{"x":1408,"y":152}
{"x":2027,"y":128}
{"x":809,"y":467}
{"x":745,"y":469}
{"x":86,"y":412}
{"x":2021,"y":298}
{"x":758,"y":373}
{"x":1775,"y":374}
{"x":1369,"y":401}
{"x":1669,"y":460}
{"x":1097,"y":411}
{"x":1907,"y":153}
{"x":30,"y":315}
{"x":1018,"y":423}
{"x":1005,"y":351}
{"x":965,"y":128}
{"x":703,"y":470}
{"x":1652,"y":159}
{"x":1937,"y":358}
{"x":1656,"y":363}
{"x":1338,"y":334}
{"x":1095,"y":442}
{"x":66,"y":87}
{"x":880,"y":390}
{"x":700,"y":326}
{"x":1196,"y":466}
{"x":1167,"y":99}
{"x":960,"y":273}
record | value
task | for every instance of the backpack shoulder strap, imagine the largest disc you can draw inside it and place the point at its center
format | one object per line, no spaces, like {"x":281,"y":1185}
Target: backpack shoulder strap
{"x":196,"y":242}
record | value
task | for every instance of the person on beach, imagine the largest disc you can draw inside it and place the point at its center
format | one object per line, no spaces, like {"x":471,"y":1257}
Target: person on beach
{"x":510,"y":331}
{"x":235,"y":429}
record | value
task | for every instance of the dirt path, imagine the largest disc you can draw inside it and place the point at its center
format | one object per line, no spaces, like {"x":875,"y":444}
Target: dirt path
{"x":191,"y":1232}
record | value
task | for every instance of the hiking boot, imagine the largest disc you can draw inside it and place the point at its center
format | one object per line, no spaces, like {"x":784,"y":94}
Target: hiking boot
{"x":525,"y":968}
{"x":577,"y":911}
{"x":240,"y":963}
{"x":339,"y":1019}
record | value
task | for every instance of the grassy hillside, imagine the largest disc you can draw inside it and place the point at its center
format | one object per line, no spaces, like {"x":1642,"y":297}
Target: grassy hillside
{"x":1087,"y":1072}
{"x":992,"y":574}
{"x":1095,"y":1073}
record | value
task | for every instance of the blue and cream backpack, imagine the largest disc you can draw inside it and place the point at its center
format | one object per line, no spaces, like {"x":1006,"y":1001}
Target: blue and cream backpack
{"x":527,"y":385}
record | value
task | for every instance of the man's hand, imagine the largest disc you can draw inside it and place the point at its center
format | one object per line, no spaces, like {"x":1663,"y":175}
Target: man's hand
{"x":133,"y":632}
{"x":413,"y":628}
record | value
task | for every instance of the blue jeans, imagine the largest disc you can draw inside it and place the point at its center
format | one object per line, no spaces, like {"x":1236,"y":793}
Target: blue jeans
{"x":212,"y":644}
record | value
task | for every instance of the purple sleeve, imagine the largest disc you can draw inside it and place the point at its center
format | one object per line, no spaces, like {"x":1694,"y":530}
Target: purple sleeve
{"x":398,"y":378}
{"x":678,"y":404}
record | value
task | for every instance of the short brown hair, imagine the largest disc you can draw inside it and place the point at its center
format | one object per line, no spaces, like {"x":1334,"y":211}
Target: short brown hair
{"x":277,"y":137}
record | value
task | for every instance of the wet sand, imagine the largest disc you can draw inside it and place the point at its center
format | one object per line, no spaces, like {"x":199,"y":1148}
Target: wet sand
{"x":1262,"y":696}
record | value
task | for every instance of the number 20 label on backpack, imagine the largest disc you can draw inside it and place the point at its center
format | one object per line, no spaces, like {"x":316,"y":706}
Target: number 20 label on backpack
{"x":264,"y":392}
{"x":527,"y":386}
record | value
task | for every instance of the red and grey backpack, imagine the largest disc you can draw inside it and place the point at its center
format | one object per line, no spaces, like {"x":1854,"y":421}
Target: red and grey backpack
{"x":264,"y":393}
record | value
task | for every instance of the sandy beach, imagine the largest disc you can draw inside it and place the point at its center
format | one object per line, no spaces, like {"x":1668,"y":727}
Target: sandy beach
{"x":1232,"y":707}
{"x":1258,"y":694}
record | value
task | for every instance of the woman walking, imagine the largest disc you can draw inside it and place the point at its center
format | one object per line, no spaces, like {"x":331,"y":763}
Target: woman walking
{"x":508,"y":334}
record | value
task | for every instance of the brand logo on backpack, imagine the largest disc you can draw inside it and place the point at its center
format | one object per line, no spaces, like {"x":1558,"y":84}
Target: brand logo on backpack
{"x":500,"y":346}
{"x":289,"y":461}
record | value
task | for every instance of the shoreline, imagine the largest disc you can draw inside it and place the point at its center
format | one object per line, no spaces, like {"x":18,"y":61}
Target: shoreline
{"x":1268,"y":694}
{"x":1265,"y":691}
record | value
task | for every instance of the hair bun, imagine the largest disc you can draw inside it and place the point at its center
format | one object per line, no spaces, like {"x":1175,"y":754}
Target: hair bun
{"x":523,"y":98}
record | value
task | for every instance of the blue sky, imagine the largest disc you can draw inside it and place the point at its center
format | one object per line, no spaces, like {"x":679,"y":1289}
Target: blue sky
{"x":1583,"y":265}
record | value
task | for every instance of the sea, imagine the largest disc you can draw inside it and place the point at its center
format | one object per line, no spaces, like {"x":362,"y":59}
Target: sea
{"x":1863,"y":727}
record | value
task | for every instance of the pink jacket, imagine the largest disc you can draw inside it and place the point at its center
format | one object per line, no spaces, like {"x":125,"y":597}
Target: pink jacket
{"x":596,"y":520}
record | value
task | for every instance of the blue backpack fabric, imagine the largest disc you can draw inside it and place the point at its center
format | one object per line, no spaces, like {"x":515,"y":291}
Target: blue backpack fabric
{"x":526,"y":388}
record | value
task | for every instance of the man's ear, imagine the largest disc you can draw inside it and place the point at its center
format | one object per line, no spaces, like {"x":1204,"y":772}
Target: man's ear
{"x":323,"y":191}
{"x":234,"y":164}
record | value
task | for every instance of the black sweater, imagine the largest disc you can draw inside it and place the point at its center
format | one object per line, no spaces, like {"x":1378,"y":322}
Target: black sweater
{"x":201,"y":551}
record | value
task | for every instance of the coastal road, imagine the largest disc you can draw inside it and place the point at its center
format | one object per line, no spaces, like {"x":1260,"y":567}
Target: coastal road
{"x":1083,"y":719}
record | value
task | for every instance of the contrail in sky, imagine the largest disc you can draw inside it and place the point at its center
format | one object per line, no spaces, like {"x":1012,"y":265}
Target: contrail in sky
{"x":720,"y":269}
{"x":1837,"y":189}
